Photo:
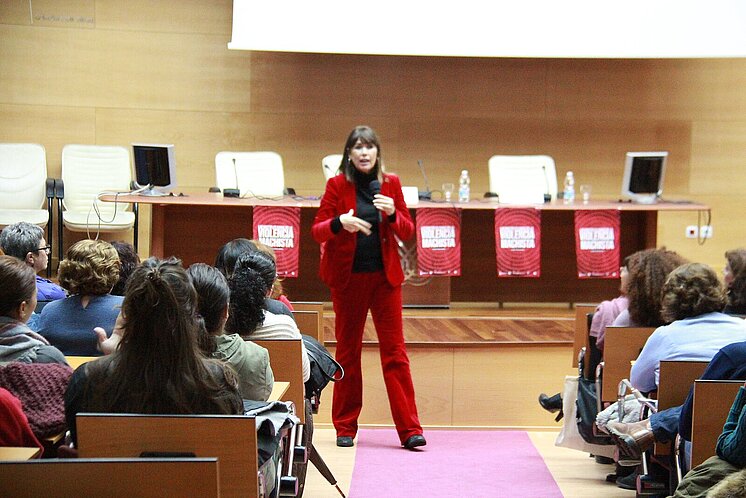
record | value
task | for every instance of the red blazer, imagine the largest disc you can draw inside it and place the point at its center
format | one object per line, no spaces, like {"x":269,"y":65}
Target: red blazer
{"x":339,"y":249}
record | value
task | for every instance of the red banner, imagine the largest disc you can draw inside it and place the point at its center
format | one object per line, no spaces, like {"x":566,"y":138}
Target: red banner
{"x":518,"y":242}
{"x":597,"y":243}
{"x":439,"y":242}
{"x":279,"y":228}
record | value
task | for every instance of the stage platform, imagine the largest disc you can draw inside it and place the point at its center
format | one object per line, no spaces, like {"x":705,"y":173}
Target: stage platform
{"x":475,"y":325}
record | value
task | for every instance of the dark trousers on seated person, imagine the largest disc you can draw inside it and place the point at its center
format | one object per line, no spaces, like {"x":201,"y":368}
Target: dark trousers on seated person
{"x":665,"y":424}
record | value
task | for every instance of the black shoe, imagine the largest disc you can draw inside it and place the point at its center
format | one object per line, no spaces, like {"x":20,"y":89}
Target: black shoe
{"x":345,"y":441}
{"x":414,"y":441}
{"x":551,"y":404}
{"x":603,"y":460}
{"x":628,"y":482}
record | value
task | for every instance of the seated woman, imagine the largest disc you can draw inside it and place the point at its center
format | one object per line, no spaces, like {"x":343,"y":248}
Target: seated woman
{"x":226,"y":261}
{"x":693,"y":300}
{"x":248,"y":315}
{"x":250,"y":361}
{"x":17,"y":302}
{"x":88,"y":272}
{"x":734,"y":275}
{"x":128,"y":261}
{"x":157,"y":367}
{"x":278,"y":292}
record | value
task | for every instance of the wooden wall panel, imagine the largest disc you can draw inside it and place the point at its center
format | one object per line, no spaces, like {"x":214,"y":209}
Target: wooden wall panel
{"x":184,"y":16}
{"x":15,"y":12}
{"x":100,"y":68}
{"x":718,"y":156}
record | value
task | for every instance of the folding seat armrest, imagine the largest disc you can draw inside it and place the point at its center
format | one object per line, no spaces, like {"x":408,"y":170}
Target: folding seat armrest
{"x":50,"y":188}
{"x":59,"y":188}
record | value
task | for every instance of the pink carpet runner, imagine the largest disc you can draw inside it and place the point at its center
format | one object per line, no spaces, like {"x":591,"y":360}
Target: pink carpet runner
{"x":453,"y":464}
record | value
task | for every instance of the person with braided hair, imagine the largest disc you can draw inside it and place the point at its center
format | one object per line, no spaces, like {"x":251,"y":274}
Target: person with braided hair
{"x":157,"y":367}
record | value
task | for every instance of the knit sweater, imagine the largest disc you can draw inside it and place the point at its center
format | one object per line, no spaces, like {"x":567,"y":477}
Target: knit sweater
{"x":41,"y":389}
{"x":731,"y":445}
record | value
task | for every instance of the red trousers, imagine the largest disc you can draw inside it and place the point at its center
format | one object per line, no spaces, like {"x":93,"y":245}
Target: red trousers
{"x":371,"y":291}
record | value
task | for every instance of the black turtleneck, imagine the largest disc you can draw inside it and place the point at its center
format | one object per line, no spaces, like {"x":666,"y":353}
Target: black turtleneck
{"x":368,"y":249}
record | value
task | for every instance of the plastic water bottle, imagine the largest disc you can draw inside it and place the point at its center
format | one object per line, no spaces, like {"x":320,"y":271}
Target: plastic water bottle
{"x":464,"y":190}
{"x":568,"y":194}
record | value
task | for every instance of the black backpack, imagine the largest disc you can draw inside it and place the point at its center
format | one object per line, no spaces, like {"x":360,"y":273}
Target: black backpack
{"x":324,"y":369}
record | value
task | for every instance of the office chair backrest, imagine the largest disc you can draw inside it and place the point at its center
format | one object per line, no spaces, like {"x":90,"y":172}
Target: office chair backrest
{"x":330,"y":165}
{"x":254,"y":173}
{"x":522,"y":179}
{"x":23,"y":175}
{"x":88,"y":170}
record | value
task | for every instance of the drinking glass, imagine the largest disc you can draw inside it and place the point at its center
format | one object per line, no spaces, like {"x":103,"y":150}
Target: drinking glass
{"x":448,"y":191}
{"x":585,"y":193}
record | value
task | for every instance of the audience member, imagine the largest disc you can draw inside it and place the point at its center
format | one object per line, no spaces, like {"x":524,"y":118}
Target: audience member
{"x":128,"y":261}
{"x":250,"y":361}
{"x":88,"y":272}
{"x":17,"y":302}
{"x":735,"y":282}
{"x":226,"y":260}
{"x":157,"y":367}
{"x":693,"y":300}
{"x":14,"y":427}
{"x":26,"y":242}
{"x":278,"y":292}
{"x":248,"y":315}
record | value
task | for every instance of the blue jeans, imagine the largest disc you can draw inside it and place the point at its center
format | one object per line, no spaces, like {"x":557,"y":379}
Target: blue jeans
{"x":665,"y":424}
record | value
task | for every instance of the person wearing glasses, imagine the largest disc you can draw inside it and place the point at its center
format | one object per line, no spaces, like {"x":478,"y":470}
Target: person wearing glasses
{"x":25,"y":241}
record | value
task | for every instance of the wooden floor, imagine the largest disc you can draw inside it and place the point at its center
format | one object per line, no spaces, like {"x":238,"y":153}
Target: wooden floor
{"x":577,"y":475}
{"x":474,"y":325}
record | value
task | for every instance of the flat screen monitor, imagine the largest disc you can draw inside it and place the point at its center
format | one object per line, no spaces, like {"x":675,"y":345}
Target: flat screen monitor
{"x":643,"y":176}
{"x":155,"y":168}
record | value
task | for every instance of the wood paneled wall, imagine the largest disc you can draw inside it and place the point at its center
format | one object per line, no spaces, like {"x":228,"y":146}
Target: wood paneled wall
{"x":110,"y":72}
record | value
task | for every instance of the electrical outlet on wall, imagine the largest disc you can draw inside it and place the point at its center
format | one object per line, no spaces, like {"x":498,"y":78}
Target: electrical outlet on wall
{"x":705,"y":231}
{"x":692,"y":232}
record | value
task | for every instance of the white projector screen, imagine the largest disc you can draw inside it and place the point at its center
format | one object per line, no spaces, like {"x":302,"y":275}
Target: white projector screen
{"x":484,"y":28}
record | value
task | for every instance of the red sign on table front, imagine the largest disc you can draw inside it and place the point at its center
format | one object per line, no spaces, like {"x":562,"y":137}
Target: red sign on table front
{"x":597,"y":243}
{"x":518,"y":242}
{"x":279,"y":228}
{"x":439,"y":242}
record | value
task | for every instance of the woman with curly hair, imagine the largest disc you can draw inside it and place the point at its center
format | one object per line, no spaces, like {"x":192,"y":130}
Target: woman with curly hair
{"x":735,"y":281}
{"x":692,"y":303}
{"x":88,"y":273}
{"x":248,"y":315}
{"x":157,"y":367}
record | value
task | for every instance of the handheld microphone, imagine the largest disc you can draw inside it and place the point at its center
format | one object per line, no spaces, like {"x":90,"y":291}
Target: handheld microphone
{"x":426,"y":194}
{"x":374,"y":187}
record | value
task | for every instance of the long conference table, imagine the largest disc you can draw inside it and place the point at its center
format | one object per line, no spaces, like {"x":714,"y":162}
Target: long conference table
{"x":194,"y":226}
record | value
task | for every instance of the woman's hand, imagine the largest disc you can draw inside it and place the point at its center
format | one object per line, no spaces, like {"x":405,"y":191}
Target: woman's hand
{"x":353,"y":224}
{"x":385,"y":204}
{"x":108,"y":345}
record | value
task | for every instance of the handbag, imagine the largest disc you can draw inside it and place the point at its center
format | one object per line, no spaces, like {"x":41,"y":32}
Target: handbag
{"x":324,"y":369}
{"x":569,"y":436}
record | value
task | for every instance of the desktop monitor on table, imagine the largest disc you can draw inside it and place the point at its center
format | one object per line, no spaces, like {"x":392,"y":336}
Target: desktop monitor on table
{"x":155,"y":168}
{"x":643,"y":176}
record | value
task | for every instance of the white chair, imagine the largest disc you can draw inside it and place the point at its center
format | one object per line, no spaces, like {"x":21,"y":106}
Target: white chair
{"x":24,"y":186}
{"x":330,"y":165}
{"x":522,"y":179}
{"x":87,"y":171}
{"x":255,"y":174}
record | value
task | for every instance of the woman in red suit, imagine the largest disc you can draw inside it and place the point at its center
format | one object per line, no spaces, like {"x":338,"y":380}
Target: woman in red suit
{"x":361,"y":214}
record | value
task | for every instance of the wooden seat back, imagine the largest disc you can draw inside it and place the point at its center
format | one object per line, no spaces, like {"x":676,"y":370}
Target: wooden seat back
{"x":712,"y":402}
{"x":309,"y":316}
{"x":110,"y":477}
{"x":622,"y":345}
{"x":76,"y":361}
{"x":230,"y":438}
{"x":675,"y":381}
{"x":286,"y":358}
{"x":580,"y":339}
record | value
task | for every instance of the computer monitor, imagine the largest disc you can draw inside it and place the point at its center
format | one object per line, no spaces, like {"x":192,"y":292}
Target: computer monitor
{"x":155,"y":168}
{"x":643,"y":176}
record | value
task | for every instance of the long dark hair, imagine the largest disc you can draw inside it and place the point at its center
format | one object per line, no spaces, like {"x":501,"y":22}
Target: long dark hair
{"x":368,"y":136}
{"x":228,"y":254}
{"x":213,"y":295}
{"x":249,"y":287}
{"x":158,"y":367}
{"x":737,"y":289}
